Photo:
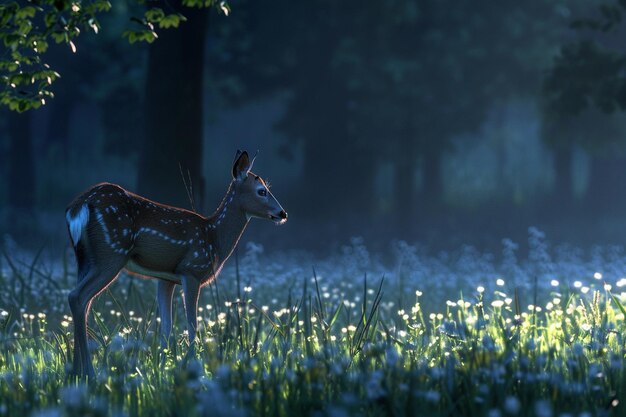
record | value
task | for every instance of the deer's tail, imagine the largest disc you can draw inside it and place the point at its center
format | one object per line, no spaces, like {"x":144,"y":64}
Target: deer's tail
{"x":77,"y":218}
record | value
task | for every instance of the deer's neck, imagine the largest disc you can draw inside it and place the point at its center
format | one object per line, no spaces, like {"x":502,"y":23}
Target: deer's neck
{"x":227,"y":225}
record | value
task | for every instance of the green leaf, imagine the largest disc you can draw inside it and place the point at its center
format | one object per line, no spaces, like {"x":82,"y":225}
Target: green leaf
{"x":12,"y":41}
{"x":24,"y":27}
{"x":9,"y":65}
{"x":5,"y":17}
{"x":40,"y":45}
{"x":140,"y":36}
{"x":50,"y":19}
{"x":58,"y":36}
{"x":150,"y":36}
{"x":200,"y":3}
{"x":172,"y":20}
{"x":618,"y":304}
{"x":25,"y":12}
{"x":154,"y":15}
{"x":131,"y":35}
{"x":101,"y":6}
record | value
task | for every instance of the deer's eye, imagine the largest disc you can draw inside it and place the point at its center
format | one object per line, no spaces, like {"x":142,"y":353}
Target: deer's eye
{"x":262,"y":192}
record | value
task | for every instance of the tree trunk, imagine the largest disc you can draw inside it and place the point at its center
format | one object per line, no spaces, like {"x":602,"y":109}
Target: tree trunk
{"x":404,"y":194}
{"x":173,"y":111}
{"x":21,"y":178}
{"x":432,"y":190}
{"x":607,"y":184}
{"x":21,"y":172}
{"x":563,"y":180}
{"x":59,"y":125}
{"x":335,"y":162}
{"x":336,"y":173}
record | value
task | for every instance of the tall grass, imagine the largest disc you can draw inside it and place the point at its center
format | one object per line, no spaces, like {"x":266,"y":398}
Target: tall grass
{"x":493,"y":350}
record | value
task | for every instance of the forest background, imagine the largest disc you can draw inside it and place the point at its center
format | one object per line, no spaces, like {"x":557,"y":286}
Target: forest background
{"x":444,"y":122}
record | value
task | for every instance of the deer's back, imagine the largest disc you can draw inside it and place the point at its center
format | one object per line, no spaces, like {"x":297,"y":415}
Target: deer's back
{"x":153,"y":235}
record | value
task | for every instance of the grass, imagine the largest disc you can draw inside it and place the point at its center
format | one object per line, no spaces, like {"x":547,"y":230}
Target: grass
{"x":306,"y":350}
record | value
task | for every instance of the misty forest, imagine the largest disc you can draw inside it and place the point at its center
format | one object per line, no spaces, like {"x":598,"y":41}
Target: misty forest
{"x":314,"y":207}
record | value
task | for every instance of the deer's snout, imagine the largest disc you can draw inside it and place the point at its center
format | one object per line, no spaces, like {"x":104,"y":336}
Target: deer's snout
{"x":281,"y":218}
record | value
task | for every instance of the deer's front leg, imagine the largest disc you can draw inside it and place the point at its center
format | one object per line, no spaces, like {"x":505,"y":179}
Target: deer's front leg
{"x":191,"y":292}
{"x":165,"y":293}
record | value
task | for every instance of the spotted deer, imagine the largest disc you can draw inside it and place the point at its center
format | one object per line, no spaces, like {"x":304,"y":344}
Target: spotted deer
{"x":112,"y":229}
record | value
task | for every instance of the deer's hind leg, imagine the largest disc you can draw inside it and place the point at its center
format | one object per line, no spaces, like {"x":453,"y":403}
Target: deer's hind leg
{"x":93,"y":278}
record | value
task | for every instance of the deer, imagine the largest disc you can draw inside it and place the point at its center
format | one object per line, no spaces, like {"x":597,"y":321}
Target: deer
{"x":112,"y":229}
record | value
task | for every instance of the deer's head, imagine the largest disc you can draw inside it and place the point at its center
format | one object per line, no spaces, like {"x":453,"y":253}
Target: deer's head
{"x":255,"y":198}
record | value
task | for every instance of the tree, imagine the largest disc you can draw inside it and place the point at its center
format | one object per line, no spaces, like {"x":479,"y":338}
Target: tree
{"x":587,"y":76}
{"x":173,"y":112}
{"x":21,"y":170}
{"x":27,"y":30}
{"x":427,"y":71}
{"x":264,"y":51}
{"x":174,"y":88}
{"x":393,"y":81}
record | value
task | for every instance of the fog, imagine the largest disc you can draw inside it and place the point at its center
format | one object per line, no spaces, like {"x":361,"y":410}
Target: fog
{"x":431,"y":122}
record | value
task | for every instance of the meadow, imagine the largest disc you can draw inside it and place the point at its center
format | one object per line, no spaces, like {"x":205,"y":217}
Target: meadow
{"x":410,"y":333}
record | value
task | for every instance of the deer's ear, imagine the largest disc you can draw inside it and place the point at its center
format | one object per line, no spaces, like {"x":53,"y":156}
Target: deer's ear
{"x":241,"y":166}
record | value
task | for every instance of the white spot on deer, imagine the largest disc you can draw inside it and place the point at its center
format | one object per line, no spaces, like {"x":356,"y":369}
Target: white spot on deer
{"x":77,"y":223}
{"x":125,"y":232}
{"x":195,"y":254}
{"x":161,"y":235}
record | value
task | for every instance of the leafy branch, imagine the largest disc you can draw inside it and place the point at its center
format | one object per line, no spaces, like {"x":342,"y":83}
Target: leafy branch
{"x":28,"y":26}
